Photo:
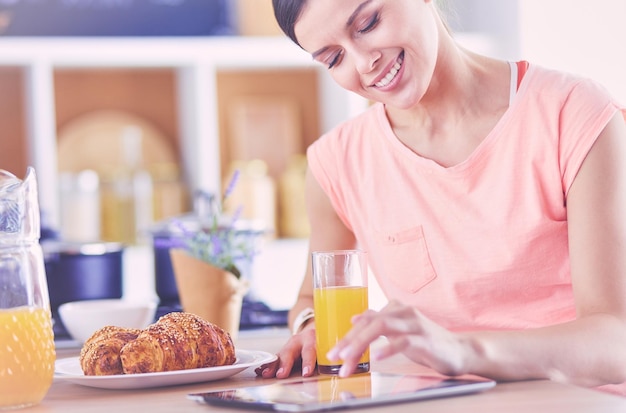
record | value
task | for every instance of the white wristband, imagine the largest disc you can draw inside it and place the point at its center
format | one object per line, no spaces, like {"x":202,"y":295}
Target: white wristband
{"x":304,"y":316}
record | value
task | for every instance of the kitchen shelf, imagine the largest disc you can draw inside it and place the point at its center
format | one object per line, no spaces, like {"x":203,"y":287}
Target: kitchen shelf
{"x":196,"y":63}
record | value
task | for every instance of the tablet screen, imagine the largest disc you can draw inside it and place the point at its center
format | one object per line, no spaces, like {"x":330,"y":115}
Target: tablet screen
{"x":330,"y":392}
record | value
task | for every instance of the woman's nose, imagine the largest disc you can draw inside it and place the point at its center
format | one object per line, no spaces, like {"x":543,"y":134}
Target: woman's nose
{"x":366,"y":61}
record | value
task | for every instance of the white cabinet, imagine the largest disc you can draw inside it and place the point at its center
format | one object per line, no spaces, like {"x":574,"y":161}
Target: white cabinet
{"x":196,"y":62}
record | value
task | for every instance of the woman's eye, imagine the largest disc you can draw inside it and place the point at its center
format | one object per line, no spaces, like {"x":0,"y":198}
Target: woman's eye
{"x":371,"y":23}
{"x":335,"y":60}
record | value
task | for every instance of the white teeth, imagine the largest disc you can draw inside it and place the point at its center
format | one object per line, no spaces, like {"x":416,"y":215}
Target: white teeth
{"x":391,"y":75}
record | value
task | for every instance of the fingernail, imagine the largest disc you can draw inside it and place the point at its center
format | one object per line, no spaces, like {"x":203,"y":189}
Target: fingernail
{"x":305,"y":371}
{"x":332,"y":354}
{"x":280,"y":371}
{"x":343,"y":371}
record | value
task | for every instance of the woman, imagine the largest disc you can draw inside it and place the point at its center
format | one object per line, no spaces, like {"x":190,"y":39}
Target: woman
{"x":490,"y":196}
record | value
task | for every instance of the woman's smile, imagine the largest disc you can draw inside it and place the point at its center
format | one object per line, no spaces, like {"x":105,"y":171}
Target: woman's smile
{"x":386,"y":79}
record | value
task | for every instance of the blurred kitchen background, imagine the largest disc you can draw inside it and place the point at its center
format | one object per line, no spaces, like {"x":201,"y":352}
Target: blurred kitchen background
{"x":130,"y":110}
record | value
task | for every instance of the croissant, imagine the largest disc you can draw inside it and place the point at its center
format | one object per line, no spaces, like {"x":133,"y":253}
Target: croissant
{"x":178,"y":341}
{"x":100,"y":355}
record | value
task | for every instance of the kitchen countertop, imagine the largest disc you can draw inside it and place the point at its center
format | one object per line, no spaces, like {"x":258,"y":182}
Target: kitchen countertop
{"x":539,"y":396}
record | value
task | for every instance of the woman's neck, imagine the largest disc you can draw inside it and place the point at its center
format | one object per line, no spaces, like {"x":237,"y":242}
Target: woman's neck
{"x":467,"y":96}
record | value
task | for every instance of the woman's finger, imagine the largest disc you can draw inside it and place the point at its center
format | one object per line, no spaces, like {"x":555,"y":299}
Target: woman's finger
{"x":288,"y":358}
{"x":394,"y":320}
{"x":309,"y":353}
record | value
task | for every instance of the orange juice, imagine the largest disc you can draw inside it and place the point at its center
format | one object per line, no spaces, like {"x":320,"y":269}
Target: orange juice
{"x":26,"y":356}
{"x":334,"y":309}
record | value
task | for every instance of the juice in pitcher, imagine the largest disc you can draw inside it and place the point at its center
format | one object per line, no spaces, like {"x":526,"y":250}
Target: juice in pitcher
{"x":27,"y":351}
{"x":27,"y":356}
{"x":334,"y":308}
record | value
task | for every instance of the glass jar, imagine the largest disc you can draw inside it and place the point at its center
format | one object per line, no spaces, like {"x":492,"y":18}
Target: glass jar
{"x":27,"y":351}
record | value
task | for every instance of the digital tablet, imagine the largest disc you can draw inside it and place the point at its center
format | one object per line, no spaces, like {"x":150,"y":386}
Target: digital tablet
{"x":331,"y":392}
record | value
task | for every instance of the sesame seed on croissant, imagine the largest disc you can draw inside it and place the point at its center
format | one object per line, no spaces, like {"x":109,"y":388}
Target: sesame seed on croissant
{"x":178,"y":341}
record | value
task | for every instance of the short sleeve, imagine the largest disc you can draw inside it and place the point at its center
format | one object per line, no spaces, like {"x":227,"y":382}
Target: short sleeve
{"x":585,"y":113}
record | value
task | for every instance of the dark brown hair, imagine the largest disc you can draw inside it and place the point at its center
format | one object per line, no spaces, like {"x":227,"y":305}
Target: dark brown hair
{"x":287,"y":13}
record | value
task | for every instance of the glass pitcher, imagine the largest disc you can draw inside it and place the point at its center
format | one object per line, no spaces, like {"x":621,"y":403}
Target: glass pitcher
{"x":27,"y":351}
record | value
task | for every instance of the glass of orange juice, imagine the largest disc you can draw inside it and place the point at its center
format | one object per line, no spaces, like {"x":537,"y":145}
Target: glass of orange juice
{"x":27,"y":351}
{"x":340,"y":292}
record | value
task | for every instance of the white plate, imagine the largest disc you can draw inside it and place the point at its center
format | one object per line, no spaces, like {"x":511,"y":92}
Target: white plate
{"x":69,"y":369}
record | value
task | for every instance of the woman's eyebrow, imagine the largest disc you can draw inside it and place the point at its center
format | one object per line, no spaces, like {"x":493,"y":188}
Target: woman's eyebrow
{"x":356,"y":12}
{"x":349,"y":22}
{"x":319,"y":52}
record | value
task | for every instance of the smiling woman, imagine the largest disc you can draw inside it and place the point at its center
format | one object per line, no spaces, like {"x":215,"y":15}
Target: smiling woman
{"x":472,"y":185}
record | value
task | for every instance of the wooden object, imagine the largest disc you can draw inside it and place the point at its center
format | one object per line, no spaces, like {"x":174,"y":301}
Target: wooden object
{"x":94,"y":141}
{"x":537,"y":396}
{"x":147,"y":93}
{"x":13,"y":146}
{"x":292,"y":93}
{"x":256,"y":18}
{"x":266,"y":128}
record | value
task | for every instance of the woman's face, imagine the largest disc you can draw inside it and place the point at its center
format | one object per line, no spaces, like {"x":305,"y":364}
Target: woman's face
{"x":384,"y":50}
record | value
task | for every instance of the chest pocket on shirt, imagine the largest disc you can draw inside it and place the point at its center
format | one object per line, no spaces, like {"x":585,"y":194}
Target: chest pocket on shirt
{"x":405,"y":258}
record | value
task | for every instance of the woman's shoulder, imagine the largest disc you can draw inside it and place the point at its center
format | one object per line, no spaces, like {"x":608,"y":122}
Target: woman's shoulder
{"x":353,"y":141}
{"x":544,"y":80}
{"x":545,"y":89}
{"x":350,"y":131}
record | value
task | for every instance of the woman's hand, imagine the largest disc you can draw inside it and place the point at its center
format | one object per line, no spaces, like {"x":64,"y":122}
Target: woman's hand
{"x":407,"y":331}
{"x":299,"y":351}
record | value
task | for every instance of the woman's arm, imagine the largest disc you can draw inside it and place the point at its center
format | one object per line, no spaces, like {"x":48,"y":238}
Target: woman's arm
{"x":588,"y":351}
{"x":327,"y":233}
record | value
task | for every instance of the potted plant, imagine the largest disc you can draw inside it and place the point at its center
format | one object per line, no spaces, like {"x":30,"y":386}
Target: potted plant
{"x":206,"y":264}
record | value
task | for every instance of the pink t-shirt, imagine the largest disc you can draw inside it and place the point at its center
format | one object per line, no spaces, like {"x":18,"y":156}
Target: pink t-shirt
{"x":482,"y":244}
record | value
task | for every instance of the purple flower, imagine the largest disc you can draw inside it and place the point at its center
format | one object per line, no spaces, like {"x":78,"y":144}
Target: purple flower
{"x":218,"y":243}
{"x":231,"y":184}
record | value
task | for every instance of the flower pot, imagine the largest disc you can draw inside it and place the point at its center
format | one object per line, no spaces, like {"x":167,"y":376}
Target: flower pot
{"x":208,"y":291}
{"x":174,"y":233}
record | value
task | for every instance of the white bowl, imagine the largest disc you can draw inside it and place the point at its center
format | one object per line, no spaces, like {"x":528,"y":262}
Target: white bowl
{"x":83,"y":318}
